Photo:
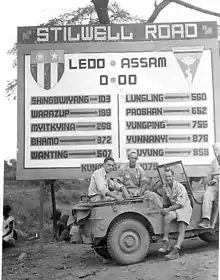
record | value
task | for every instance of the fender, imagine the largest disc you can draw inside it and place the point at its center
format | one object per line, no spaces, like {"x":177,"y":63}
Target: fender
{"x":103,"y":220}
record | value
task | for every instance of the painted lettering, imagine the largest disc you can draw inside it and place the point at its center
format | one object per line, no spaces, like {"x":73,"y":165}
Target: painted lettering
{"x":145,"y":139}
{"x":144,"y":111}
{"x":45,"y":155}
{"x":90,"y":63}
{"x":144,"y":62}
{"x":143,"y":98}
{"x":136,"y":125}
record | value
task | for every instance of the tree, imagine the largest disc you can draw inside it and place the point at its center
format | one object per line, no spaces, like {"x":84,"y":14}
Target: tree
{"x":103,"y":12}
{"x":101,"y":7}
{"x":10,"y":169}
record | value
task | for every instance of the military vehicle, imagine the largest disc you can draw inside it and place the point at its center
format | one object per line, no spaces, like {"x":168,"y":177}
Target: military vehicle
{"x":124,"y":231}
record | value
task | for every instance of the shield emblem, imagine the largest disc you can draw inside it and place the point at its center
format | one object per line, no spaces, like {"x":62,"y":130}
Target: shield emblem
{"x":189,"y":62}
{"x":47,"y":67}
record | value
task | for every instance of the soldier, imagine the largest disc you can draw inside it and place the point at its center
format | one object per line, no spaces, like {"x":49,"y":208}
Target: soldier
{"x":8,"y":227}
{"x":102,"y":188}
{"x":176,"y":207}
{"x":212,"y":191}
{"x":133,"y":177}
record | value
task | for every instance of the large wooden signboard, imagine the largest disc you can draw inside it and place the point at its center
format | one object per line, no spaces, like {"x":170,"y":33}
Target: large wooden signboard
{"x":87,"y":92}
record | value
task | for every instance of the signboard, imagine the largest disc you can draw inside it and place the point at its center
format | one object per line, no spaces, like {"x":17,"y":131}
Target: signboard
{"x":87,"y":92}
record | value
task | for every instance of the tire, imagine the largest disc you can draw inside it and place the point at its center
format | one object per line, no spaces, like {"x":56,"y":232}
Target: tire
{"x":102,"y":250}
{"x":128,"y":241}
{"x":210,"y":237}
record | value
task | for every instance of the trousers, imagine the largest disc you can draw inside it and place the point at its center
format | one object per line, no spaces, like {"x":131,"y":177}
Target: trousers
{"x":211,"y":195}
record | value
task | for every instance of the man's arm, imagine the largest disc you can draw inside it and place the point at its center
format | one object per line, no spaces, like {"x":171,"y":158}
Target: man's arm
{"x":121,"y":178}
{"x":145,"y":185}
{"x":212,"y":179}
{"x":125,"y":192}
{"x":121,"y":188}
{"x":145,"y":182}
{"x":167,"y":207}
{"x":121,"y":175}
{"x":111,"y":194}
{"x":174,"y":207}
{"x":131,"y":184}
{"x":166,"y":201}
{"x":180,"y":200}
{"x":118,"y":198}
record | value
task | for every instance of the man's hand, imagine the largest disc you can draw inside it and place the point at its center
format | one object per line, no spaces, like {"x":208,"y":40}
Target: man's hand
{"x":164,"y":211}
{"x":131,"y":184}
{"x":125,"y":192}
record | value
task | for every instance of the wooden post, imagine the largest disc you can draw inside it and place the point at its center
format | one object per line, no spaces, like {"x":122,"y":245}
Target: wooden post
{"x":41,"y":215}
{"x":54,"y":209}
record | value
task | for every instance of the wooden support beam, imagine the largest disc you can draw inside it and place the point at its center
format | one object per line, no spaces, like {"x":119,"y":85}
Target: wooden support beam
{"x":41,"y":216}
{"x":53,"y":199}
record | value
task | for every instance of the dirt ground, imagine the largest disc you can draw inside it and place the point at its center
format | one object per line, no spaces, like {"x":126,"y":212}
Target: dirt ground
{"x":64,"y":261}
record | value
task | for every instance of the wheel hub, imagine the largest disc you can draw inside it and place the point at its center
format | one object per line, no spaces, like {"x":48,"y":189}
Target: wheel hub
{"x":129,"y":241}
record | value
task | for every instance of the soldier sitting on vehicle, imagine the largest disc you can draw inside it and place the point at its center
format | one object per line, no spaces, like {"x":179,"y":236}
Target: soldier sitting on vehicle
{"x":211,"y":193}
{"x":176,"y":207}
{"x":133,"y":176}
{"x":102,"y":188}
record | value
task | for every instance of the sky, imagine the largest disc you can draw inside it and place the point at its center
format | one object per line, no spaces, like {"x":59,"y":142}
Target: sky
{"x":27,"y":13}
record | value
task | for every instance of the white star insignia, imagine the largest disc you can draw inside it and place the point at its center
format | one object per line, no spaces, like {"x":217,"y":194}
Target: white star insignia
{"x":54,"y":56}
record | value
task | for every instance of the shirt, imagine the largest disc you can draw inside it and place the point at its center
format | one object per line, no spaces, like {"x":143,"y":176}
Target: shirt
{"x":214,"y":169}
{"x":98,"y":183}
{"x":213,"y":173}
{"x":176,"y":195}
{"x":136,"y":175}
{"x":6,"y":225}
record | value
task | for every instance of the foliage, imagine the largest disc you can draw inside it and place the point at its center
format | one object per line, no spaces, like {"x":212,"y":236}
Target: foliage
{"x":76,"y":185}
{"x":10,"y":169}
{"x":26,"y":209}
{"x":24,"y":197}
{"x":11,"y":86}
{"x":87,"y":15}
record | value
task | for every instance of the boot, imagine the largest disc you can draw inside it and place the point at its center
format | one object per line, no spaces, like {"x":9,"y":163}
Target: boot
{"x":205,"y":223}
{"x":165,"y":247}
{"x":174,"y":254}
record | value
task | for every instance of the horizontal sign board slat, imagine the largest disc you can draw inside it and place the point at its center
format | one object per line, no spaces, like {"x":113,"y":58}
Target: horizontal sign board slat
{"x":117,"y":32}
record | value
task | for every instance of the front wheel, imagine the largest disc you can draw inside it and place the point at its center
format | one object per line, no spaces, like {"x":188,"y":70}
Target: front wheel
{"x":128,"y":241}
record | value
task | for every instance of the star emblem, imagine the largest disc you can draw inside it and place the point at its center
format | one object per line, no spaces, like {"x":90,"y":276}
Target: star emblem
{"x":54,"y":56}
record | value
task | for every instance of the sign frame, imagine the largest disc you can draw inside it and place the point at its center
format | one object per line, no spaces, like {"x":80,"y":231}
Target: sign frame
{"x":24,"y":48}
